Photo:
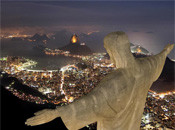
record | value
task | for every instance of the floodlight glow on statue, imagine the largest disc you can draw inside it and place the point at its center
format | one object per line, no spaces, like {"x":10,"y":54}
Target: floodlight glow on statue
{"x":117,"y":103}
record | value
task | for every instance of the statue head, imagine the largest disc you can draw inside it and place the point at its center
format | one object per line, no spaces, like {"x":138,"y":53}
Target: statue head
{"x":118,"y":47}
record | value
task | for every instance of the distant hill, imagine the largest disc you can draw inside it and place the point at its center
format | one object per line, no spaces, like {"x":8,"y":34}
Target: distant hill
{"x":16,"y":39}
{"x":138,"y":49}
{"x":94,"y":40}
{"x":74,"y":47}
{"x":39,"y":38}
{"x":77,"y":49}
{"x":59,"y":39}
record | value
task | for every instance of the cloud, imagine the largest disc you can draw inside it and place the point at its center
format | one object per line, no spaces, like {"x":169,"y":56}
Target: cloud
{"x":105,"y":14}
{"x":150,"y":32}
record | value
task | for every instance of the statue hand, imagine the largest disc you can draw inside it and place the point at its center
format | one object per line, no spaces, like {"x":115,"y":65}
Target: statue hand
{"x":168,"y":48}
{"x":42,"y":117}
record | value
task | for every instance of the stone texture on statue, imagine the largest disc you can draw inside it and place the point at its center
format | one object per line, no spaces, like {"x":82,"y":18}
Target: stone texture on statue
{"x":117,"y":103}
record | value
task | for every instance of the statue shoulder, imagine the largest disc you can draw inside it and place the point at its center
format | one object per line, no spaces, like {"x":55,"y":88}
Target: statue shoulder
{"x":118,"y":81}
{"x":119,"y":74}
{"x":116,"y":88}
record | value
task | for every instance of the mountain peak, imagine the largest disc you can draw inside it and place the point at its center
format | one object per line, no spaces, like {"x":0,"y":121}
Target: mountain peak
{"x":75,"y":47}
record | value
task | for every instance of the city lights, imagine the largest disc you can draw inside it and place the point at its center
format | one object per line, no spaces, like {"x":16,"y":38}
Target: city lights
{"x":73,"y":81}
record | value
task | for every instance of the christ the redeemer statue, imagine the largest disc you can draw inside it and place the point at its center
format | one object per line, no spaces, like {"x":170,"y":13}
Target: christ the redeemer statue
{"x":117,"y":103}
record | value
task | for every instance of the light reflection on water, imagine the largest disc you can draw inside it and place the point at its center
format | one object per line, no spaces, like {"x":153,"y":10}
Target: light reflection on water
{"x":52,"y":62}
{"x":47,"y":61}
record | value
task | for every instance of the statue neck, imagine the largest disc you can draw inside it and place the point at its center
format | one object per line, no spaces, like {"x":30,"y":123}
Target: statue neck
{"x":123,"y":58}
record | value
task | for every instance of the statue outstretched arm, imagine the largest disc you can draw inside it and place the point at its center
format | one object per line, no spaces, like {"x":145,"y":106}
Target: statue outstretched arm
{"x":153,"y":65}
{"x":42,"y":117}
{"x":168,"y":48}
{"x":86,"y":110}
{"x":76,"y":115}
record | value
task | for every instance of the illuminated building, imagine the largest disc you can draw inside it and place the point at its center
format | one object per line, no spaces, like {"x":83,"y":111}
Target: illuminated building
{"x":139,"y":50}
{"x":75,"y":39}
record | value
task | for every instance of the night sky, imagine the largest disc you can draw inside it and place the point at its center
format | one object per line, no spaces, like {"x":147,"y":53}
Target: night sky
{"x":149,"y":24}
